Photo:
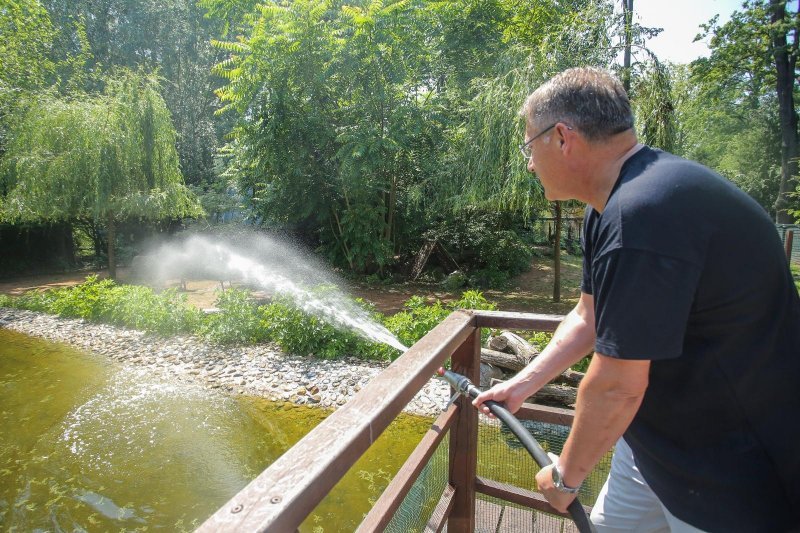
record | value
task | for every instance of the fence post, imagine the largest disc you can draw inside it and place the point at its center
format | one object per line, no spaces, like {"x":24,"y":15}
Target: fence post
{"x":788,"y":244}
{"x":464,"y":441}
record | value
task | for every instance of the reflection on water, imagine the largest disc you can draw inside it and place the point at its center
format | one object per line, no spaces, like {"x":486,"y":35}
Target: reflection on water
{"x":89,"y":445}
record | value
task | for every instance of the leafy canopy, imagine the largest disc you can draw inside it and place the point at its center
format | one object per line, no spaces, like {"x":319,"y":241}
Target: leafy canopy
{"x":96,"y":156}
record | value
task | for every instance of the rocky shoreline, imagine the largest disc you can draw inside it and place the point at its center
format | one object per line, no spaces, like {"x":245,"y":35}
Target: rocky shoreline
{"x":258,"y":370}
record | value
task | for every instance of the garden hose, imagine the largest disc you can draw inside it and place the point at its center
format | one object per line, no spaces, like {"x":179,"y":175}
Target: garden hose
{"x":464,"y":386}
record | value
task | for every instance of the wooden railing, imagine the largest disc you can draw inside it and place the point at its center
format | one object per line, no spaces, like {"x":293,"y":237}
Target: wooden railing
{"x":282,"y":496}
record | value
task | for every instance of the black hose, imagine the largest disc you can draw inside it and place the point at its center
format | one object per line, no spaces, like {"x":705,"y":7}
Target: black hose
{"x":463,"y":385}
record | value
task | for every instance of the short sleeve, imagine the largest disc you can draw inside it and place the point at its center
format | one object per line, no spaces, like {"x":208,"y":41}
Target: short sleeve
{"x":642,"y":303}
{"x":586,"y":281}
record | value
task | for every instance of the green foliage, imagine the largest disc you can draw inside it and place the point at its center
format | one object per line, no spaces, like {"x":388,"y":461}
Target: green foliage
{"x":87,"y":300}
{"x":390,"y":109}
{"x":583,"y":364}
{"x":484,"y":243}
{"x":300,"y":333}
{"x":653,"y":107}
{"x":165,"y":313}
{"x":239,"y":320}
{"x":419,"y":318}
{"x":26,"y":64}
{"x":94,"y":157}
{"x":540,"y":339}
{"x":744,"y":106}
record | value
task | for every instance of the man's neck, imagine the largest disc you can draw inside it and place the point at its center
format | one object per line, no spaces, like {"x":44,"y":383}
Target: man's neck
{"x":606,"y":166}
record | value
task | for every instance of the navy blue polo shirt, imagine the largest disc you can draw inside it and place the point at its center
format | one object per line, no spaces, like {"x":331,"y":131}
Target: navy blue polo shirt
{"x":688,"y":271}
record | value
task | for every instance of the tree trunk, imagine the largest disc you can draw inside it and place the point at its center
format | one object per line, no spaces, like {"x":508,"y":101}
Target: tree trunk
{"x":512,"y":343}
{"x":112,"y":253}
{"x":785,"y":67}
{"x":557,"y":256}
{"x":509,"y":361}
{"x":627,"y":10}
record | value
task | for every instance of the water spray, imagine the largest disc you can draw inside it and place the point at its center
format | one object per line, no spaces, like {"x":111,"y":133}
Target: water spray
{"x":464,"y":387}
{"x":273,"y":265}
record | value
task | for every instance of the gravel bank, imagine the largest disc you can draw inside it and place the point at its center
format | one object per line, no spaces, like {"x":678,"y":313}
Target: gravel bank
{"x":260,"y":370}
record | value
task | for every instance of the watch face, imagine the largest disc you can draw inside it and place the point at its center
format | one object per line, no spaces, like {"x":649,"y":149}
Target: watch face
{"x":556,"y":476}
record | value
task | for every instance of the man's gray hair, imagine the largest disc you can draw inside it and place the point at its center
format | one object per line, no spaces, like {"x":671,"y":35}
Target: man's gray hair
{"x":592,"y":100}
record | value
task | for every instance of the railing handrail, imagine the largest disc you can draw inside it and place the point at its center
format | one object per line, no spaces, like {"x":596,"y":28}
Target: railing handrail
{"x":286,"y":492}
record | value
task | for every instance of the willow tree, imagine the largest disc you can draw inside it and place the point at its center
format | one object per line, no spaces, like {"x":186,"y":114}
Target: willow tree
{"x":106,"y":158}
{"x":488,"y":170}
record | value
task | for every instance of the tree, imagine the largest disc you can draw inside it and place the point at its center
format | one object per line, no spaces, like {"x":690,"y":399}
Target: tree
{"x":336,"y":100}
{"x":171,"y":37}
{"x":753,"y":57}
{"x":654,"y":107}
{"x":106,"y":158}
{"x":487,"y":169}
{"x":24,"y":49}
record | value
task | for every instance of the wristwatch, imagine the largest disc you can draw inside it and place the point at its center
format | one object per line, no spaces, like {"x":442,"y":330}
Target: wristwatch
{"x":558,"y":482}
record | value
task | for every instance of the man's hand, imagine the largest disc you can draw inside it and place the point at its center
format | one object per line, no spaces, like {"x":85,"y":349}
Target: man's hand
{"x":509,"y":393}
{"x":559,"y":500}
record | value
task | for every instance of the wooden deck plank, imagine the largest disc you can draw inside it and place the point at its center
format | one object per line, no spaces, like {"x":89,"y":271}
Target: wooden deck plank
{"x":548,"y":523}
{"x":487,"y":516}
{"x":516,"y":519}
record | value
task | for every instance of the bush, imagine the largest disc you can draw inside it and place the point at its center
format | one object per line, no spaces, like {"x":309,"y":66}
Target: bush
{"x":419,"y":318}
{"x":300,"y":333}
{"x":165,"y":313}
{"x":238,"y":321}
{"x":486,"y":244}
{"x":540,"y":339}
{"x":87,"y":300}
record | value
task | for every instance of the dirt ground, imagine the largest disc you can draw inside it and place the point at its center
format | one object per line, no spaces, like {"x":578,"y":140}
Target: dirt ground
{"x":531,"y":291}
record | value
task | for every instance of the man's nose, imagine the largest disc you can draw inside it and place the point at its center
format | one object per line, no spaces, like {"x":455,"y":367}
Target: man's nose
{"x":531,"y":166}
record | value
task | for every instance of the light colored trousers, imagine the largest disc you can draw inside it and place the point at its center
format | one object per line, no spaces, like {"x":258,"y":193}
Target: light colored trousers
{"x":626,"y":502}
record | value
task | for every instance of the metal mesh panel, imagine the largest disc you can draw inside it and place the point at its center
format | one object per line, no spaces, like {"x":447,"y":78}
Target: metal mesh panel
{"x":501,"y":456}
{"x":493,"y":515}
{"x":420,"y":502}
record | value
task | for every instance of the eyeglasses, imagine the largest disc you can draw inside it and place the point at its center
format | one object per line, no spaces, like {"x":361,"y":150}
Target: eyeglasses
{"x":527,"y":149}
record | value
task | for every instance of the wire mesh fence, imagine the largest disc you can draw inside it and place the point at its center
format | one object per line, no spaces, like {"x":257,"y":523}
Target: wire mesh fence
{"x":501,"y":458}
{"x":790,"y":237}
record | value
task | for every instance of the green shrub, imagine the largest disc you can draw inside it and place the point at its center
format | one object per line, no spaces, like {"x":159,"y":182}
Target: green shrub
{"x":86,"y":300}
{"x":165,"y":313}
{"x":123,"y":305}
{"x":485,"y":244}
{"x":40,"y":301}
{"x":297,"y":332}
{"x":238,"y":321}
{"x":540,"y":339}
{"x":6,"y":300}
{"x":419,"y":318}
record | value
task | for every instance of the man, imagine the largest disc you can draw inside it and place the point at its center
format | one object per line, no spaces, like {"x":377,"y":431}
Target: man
{"x":690,"y":309}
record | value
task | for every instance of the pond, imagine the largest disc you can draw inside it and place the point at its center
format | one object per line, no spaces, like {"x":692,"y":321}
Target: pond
{"x":89,"y":444}
{"x":92,"y":445}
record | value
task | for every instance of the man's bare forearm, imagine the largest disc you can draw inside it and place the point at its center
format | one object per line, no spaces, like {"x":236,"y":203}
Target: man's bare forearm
{"x":608,"y":399}
{"x":573,"y":340}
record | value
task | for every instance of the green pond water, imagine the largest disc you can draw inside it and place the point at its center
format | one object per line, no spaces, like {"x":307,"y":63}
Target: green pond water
{"x":87,"y":444}
{"x":90,"y":445}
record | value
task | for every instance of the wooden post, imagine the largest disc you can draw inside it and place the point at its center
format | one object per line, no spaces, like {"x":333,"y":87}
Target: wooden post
{"x":464,"y":441}
{"x":788,"y":244}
